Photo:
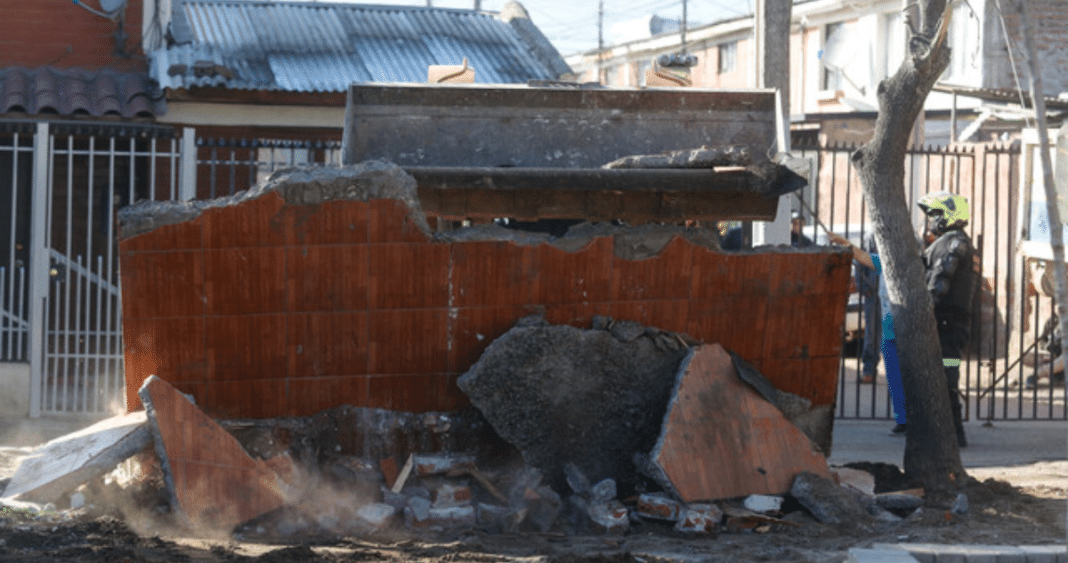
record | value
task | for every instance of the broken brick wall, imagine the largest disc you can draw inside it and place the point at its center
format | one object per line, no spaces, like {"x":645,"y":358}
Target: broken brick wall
{"x":266,"y":308}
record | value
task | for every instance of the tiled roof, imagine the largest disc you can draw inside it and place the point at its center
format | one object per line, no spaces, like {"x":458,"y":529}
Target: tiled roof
{"x":78,"y":92}
{"x":321,"y":47}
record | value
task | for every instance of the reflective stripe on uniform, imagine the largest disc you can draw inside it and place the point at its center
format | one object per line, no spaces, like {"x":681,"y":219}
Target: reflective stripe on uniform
{"x":950,"y":362}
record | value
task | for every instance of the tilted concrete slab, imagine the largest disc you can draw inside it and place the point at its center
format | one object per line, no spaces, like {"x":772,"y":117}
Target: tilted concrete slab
{"x":721,"y":439}
{"x":62,"y":464}
{"x":213,"y":482}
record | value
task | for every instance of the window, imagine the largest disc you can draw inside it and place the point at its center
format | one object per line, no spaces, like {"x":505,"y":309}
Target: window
{"x":894,"y":50}
{"x":964,"y":33}
{"x":832,"y":73}
{"x":643,"y":67}
{"x":728,"y":57}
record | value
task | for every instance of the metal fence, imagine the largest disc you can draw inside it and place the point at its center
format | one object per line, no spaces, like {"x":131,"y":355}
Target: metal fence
{"x":1007,"y":318}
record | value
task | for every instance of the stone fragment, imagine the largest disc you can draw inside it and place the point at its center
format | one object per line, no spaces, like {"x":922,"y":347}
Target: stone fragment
{"x":658,"y":506}
{"x":764,"y":504}
{"x":898,"y":501}
{"x":375,"y":517}
{"x":609,"y":517}
{"x":497,"y":519}
{"x":830,"y":503}
{"x":62,"y":464}
{"x":699,"y":518}
{"x":542,"y":507}
{"x":604,"y":491}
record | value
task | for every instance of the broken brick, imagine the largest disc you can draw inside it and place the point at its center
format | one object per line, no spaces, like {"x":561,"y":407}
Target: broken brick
{"x":763,"y":503}
{"x":212,"y":481}
{"x":699,"y":519}
{"x":658,"y":507}
{"x":449,"y":495}
{"x":721,"y":439}
{"x":436,"y":464}
{"x":609,"y":517}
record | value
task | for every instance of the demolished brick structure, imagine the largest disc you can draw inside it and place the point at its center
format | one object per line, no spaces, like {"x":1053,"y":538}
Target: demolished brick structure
{"x":325,"y":287}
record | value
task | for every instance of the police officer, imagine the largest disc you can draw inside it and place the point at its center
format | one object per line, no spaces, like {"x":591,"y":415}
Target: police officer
{"x":952,"y":265}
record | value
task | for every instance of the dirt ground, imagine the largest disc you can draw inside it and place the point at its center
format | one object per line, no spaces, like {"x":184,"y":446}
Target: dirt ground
{"x":1000,"y":513}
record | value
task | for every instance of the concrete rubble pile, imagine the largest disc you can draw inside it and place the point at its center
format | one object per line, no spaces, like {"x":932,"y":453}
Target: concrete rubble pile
{"x":606,"y":430}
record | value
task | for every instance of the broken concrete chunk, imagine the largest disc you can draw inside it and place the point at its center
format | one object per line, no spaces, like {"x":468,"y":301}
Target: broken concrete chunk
{"x":211,"y":480}
{"x":497,"y":519}
{"x":721,"y":439}
{"x":375,"y":517}
{"x":576,"y":479}
{"x":542,"y":508}
{"x":898,"y":501}
{"x":60,"y":465}
{"x":561,"y":394}
{"x":609,"y":517}
{"x":658,"y":506}
{"x":764,"y":504}
{"x":828,"y":502}
{"x":856,"y":480}
{"x":699,"y":519}
{"x":417,"y":512}
{"x":604,"y":491}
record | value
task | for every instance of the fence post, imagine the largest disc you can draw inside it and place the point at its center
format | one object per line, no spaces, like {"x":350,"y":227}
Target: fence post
{"x":187,"y":181}
{"x":39,"y":263}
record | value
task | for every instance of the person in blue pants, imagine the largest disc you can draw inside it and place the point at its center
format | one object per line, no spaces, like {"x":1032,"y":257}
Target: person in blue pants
{"x":889,"y":343}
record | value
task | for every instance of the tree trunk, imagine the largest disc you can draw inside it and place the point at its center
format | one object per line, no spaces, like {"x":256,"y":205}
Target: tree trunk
{"x":931,"y":452}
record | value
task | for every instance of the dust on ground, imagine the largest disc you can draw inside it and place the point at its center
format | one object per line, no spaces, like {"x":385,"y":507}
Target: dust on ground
{"x":1001,"y":513}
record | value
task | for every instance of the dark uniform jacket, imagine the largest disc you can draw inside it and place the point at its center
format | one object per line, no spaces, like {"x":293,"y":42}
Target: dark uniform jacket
{"x":952,"y":274}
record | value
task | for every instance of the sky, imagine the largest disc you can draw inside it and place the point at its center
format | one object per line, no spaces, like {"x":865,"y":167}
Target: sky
{"x":571,"y":25}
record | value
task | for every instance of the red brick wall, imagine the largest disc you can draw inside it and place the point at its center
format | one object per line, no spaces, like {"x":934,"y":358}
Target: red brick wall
{"x":56,"y":32}
{"x":267,"y":309}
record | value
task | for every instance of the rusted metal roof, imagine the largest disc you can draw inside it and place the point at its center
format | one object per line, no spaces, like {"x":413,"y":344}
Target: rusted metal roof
{"x":321,"y":47}
{"x":73,"y":92}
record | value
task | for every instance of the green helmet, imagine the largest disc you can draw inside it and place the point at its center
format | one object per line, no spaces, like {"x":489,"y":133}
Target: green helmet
{"x":953,"y":208}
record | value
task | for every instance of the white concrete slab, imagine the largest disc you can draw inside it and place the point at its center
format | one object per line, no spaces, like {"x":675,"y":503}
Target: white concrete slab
{"x":62,"y":464}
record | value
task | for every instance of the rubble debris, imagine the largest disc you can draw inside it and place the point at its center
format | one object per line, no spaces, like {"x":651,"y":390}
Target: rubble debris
{"x":899,"y":502}
{"x":817,"y":422}
{"x":764,"y":504}
{"x":61,"y":465}
{"x":857,"y":480}
{"x":740,"y":519}
{"x":720,"y":439}
{"x":658,"y":506}
{"x":562,"y":395}
{"x":212,"y":481}
{"x":960,"y":505}
{"x":829,"y":502}
{"x":609,"y":517}
{"x":699,"y":518}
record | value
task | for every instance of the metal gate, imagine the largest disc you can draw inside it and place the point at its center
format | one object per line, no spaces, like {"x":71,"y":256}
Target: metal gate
{"x":60,"y":186}
{"x":1001,"y":353}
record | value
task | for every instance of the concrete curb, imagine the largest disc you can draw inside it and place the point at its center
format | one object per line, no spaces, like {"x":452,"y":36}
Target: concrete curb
{"x":937,"y":553}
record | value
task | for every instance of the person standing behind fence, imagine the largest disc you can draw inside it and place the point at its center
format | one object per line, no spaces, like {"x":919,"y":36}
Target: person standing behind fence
{"x":888,"y":342}
{"x":952,"y":274}
{"x":868,"y":285}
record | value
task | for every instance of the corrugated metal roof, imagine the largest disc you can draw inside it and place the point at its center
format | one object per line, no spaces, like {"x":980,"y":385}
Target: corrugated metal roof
{"x":321,"y":47}
{"x":78,"y":92}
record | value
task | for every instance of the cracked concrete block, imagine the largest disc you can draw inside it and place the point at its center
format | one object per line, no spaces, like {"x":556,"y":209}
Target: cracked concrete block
{"x":212,"y":481}
{"x":763,"y":503}
{"x":436,"y":464}
{"x":699,"y":518}
{"x":62,"y":464}
{"x":828,"y":502}
{"x":609,"y":517}
{"x":375,"y":517}
{"x":562,"y":395}
{"x":604,"y":490}
{"x":721,"y":439}
{"x":658,"y":506}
